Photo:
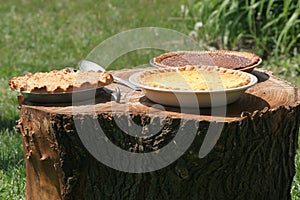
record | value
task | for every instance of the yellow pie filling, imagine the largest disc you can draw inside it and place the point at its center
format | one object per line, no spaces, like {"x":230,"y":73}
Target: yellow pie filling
{"x":185,"y":79}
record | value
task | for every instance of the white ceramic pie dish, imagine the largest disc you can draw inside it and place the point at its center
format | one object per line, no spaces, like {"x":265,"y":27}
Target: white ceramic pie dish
{"x":190,"y":98}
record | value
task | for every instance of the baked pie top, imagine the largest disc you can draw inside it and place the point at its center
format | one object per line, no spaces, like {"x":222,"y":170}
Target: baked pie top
{"x":57,"y":81}
{"x":194,"y":78}
{"x":221,"y":58}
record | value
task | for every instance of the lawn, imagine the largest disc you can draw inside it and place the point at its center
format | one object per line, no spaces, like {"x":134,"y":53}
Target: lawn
{"x":43,"y":35}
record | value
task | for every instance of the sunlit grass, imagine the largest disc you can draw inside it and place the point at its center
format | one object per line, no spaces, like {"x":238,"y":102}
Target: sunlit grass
{"x":43,"y":35}
{"x":12,"y":168}
{"x":8,"y":106}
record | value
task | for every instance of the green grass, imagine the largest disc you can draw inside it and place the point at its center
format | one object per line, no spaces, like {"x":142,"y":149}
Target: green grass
{"x":8,"y":106}
{"x":43,"y":35}
{"x":287,"y":68}
{"x":296,"y":183}
{"x":270,"y":27}
{"x":12,"y":170}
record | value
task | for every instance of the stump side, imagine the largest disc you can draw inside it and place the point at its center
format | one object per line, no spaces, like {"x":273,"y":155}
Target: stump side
{"x":41,"y":154}
{"x":253,"y":159}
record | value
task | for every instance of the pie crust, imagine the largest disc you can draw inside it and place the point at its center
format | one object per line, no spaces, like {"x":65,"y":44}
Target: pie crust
{"x":58,"y":81}
{"x":221,"y":58}
{"x":194,"y":78}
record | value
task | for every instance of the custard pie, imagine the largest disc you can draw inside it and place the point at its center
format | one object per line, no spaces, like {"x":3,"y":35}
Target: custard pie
{"x":193,"y":78}
{"x":221,"y":58}
{"x":58,"y":81}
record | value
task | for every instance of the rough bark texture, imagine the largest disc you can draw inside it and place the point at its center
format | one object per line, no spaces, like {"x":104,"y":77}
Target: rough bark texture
{"x":253,"y":158}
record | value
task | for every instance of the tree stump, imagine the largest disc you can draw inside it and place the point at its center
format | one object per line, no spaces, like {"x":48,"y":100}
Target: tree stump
{"x":252,"y":158}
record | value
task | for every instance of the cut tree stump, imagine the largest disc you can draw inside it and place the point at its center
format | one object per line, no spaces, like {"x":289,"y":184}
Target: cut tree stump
{"x":253,"y":158}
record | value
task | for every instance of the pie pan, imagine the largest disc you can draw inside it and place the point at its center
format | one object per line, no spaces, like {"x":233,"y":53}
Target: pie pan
{"x":190,"y":98}
{"x":61,"y":97}
{"x":244,"y":61}
{"x":60,"y":86}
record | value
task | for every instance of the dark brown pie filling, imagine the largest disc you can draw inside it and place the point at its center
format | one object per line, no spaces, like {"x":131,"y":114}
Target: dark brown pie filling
{"x":226,"y":59}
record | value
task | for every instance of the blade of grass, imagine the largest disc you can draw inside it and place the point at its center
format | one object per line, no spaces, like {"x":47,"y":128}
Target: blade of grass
{"x":291,"y":22}
{"x":269,"y":7}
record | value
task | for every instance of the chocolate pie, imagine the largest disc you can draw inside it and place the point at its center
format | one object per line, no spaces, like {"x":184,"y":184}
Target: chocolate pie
{"x":194,"y":78}
{"x":222,"y":58}
{"x":58,"y":81}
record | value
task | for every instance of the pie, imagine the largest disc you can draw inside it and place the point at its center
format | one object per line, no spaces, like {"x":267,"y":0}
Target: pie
{"x":57,"y":81}
{"x":221,"y":58}
{"x":194,"y":78}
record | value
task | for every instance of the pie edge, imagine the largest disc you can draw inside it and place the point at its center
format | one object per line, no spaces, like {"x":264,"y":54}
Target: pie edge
{"x":255,"y":59}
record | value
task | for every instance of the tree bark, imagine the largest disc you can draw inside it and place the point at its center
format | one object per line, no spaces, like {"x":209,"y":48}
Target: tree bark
{"x":252,"y":159}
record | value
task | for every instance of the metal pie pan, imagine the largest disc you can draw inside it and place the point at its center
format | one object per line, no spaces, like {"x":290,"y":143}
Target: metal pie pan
{"x":245,"y":69}
{"x":62,"y":97}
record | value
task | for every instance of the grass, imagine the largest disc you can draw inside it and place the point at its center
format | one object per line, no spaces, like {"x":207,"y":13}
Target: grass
{"x":44,"y":35}
{"x":295,"y":193}
{"x":54,"y":35}
{"x":12,"y":170}
{"x":271,"y":28}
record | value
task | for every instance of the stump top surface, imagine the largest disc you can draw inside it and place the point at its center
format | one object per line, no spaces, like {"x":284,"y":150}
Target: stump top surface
{"x":269,"y":93}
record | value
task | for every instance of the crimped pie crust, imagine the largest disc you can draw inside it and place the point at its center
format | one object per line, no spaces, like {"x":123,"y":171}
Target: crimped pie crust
{"x":195,"y":78}
{"x":57,"y":81}
{"x":221,"y":58}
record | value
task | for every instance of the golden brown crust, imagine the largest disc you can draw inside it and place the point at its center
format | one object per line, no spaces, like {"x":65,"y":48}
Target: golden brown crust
{"x":57,"y":81}
{"x":194,"y":78}
{"x":221,"y":58}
